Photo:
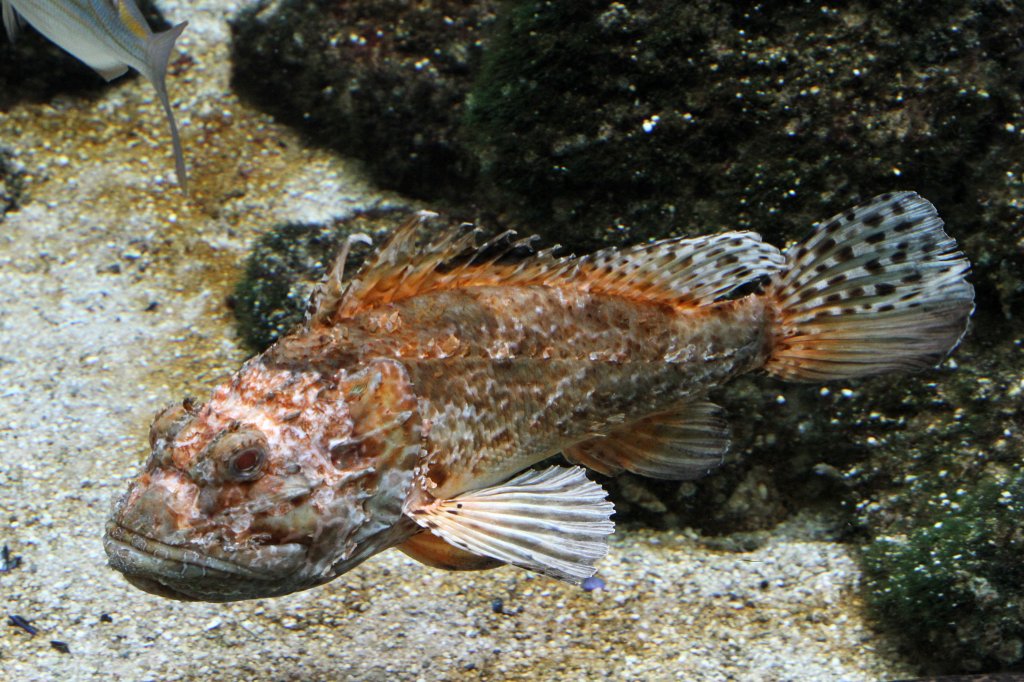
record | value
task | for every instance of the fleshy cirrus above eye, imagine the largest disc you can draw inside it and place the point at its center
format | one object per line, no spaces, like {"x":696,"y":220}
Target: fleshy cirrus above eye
{"x":168,"y":422}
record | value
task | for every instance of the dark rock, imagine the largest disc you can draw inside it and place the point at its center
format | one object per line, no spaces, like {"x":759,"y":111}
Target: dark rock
{"x":284,"y":266}
{"x":12,"y":182}
{"x":382,"y":81}
{"x":34,"y":69}
{"x":607,"y":122}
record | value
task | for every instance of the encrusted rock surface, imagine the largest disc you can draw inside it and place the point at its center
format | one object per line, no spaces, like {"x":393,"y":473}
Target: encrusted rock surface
{"x":12,"y":185}
{"x":382,"y":81}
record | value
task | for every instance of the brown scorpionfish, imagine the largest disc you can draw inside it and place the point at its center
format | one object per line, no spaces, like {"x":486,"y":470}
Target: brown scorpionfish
{"x":409,"y":408}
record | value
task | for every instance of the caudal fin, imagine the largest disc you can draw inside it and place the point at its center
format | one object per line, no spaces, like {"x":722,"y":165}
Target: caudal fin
{"x":878,"y":288}
{"x":159,"y":50}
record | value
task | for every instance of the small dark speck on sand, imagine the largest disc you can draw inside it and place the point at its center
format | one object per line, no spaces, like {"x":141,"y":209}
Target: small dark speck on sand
{"x":8,"y":562}
{"x":60,"y":646}
{"x":19,"y":622}
{"x":105,"y":618}
{"x":592,"y":583}
{"x":498,"y":605}
{"x":153,"y":305}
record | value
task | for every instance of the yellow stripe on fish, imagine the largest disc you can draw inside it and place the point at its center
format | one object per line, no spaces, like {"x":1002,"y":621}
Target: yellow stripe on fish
{"x":131,"y":20}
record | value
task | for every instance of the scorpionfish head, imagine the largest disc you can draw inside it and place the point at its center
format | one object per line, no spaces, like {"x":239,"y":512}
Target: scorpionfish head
{"x":282,"y":481}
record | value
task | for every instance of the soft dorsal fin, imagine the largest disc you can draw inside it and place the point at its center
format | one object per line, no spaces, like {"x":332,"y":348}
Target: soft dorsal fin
{"x":681,"y":444}
{"x":683,"y":272}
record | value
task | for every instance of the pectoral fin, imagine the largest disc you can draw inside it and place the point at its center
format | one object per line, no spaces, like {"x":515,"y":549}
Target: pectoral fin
{"x":553,"y":521}
{"x":685,"y":443}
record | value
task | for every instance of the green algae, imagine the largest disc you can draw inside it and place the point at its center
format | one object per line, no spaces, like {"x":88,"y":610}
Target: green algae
{"x":953,"y":587}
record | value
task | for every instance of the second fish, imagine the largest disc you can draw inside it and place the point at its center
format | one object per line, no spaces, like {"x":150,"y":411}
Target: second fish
{"x":109,"y":36}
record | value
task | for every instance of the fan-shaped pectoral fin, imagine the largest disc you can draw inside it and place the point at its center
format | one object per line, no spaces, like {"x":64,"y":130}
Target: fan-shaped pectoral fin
{"x":554,"y":521}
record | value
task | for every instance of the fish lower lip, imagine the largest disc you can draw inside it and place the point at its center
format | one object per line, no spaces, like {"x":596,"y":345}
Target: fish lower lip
{"x":158,"y":588}
{"x":138,"y":556}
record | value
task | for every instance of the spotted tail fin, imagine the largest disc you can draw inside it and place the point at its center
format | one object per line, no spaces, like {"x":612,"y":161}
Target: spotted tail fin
{"x":878,"y":288}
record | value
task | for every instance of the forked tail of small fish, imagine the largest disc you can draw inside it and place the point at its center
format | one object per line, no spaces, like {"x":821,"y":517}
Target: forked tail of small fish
{"x":109,"y":37}
{"x":878,"y":288}
{"x":159,"y":50}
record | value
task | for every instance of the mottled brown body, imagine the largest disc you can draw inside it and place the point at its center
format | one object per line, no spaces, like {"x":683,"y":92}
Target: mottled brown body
{"x":410,"y":407}
{"x":507,"y":377}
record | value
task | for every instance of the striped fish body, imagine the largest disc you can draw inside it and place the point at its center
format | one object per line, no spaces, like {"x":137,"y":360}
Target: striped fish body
{"x":108,"y":35}
{"x":409,"y":408}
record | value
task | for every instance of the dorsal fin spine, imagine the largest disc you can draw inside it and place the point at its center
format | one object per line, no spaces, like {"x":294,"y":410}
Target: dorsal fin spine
{"x":681,"y":272}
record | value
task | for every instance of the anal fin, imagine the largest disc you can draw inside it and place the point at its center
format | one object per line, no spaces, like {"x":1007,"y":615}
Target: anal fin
{"x":682,"y":444}
{"x":431,"y":550}
{"x":553,"y":521}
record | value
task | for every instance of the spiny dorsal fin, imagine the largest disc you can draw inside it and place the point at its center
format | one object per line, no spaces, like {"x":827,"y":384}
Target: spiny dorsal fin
{"x":683,"y":444}
{"x":683,"y":272}
{"x":555,"y":521}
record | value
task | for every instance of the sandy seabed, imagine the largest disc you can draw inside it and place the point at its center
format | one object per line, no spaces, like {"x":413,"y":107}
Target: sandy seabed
{"x":113,"y":305}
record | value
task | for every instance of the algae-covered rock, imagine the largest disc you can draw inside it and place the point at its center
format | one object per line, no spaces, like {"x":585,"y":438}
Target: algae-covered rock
{"x":284,"y":266}
{"x":954,"y":584}
{"x":382,"y":81}
{"x":940,"y":494}
{"x":627,"y":120}
{"x":33,"y":68}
